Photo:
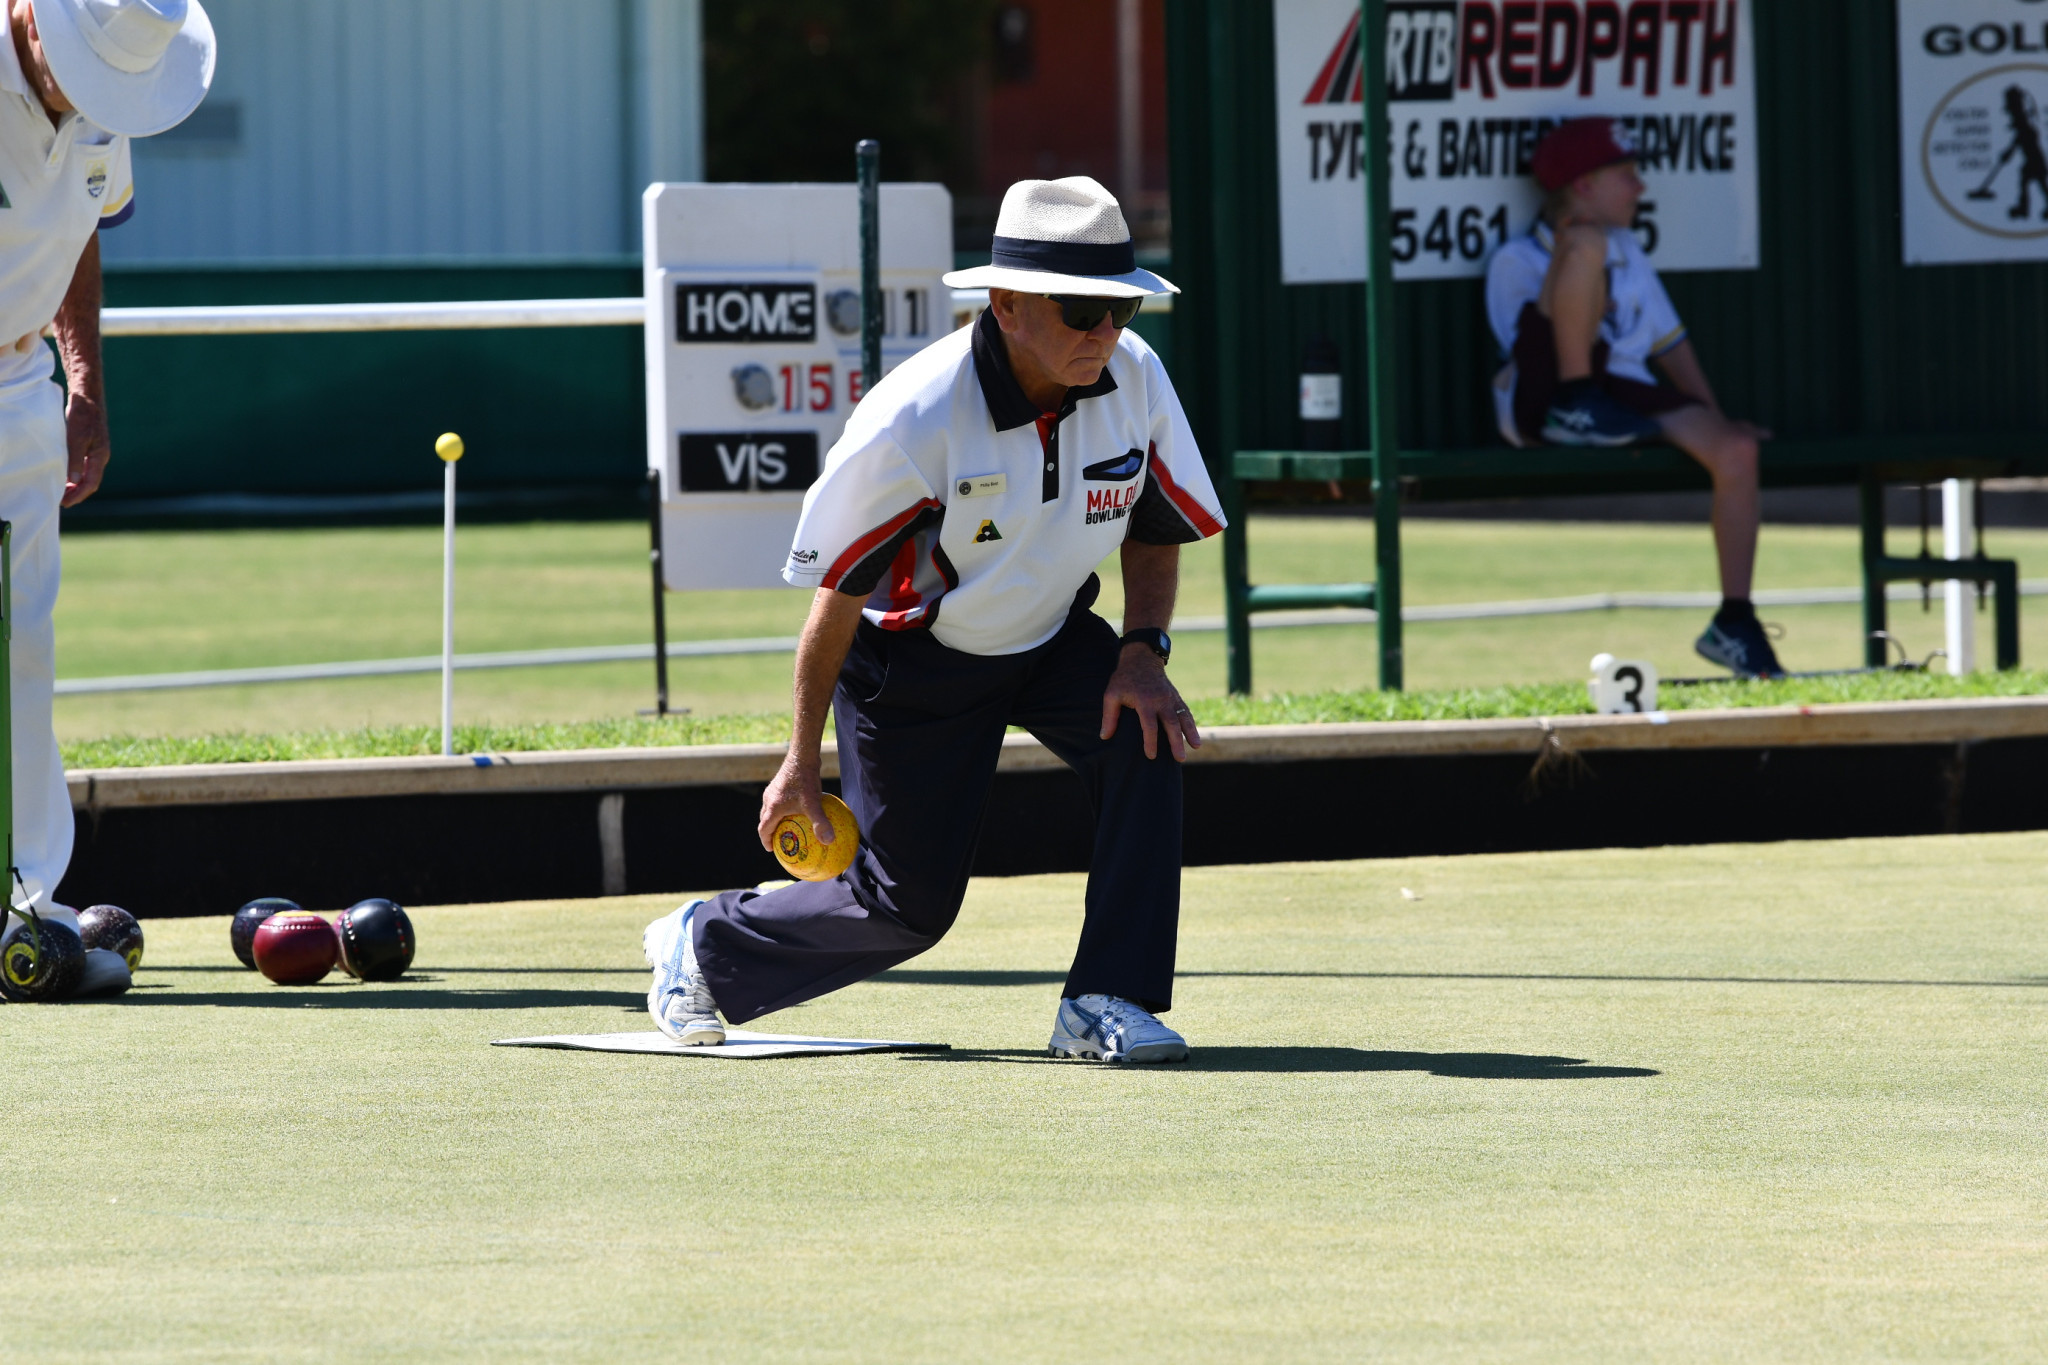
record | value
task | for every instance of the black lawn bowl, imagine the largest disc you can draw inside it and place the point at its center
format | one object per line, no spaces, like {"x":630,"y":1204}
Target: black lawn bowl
{"x":112,"y":928}
{"x":242,"y":933}
{"x":376,"y":940}
{"x":40,"y":960}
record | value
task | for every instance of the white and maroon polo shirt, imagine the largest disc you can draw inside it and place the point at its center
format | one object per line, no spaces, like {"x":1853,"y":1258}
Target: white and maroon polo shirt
{"x":58,"y":184}
{"x":952,"y":503}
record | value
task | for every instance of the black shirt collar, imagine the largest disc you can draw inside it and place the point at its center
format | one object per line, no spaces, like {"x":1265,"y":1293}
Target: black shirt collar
{"x":1006,"y":401}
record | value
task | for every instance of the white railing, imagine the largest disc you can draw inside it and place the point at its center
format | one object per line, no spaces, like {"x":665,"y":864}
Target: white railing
{"x":460,"y":315}
{"x":370,"y":317}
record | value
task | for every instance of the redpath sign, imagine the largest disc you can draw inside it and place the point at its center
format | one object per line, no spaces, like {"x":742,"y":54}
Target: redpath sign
{"x":1973,"y":151}
{"x":1471,"y":86}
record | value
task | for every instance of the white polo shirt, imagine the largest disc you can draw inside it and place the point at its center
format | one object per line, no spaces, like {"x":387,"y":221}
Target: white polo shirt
{"x":954,"y":504}
{"x":58,"y":184}
{"x":1640,"y":323}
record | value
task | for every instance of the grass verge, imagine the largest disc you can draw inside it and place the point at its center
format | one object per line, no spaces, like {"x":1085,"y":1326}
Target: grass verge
{"x":1490,"y":703}
{"x":398,"y":741}
{"x":1569,"y":699}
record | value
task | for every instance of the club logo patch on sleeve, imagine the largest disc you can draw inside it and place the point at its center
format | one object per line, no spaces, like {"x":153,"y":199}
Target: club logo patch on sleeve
{"x":987,"y":532}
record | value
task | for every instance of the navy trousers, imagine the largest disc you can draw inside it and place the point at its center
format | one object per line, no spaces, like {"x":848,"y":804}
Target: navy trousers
{"x":920,"y":727}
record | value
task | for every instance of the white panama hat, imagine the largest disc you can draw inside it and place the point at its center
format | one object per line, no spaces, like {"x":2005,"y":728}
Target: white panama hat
{"x":1062,"y":237}
{"x":131,"y":66}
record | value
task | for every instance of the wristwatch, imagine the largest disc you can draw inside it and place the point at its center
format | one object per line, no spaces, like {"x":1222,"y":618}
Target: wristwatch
{"x":1153,"y":638}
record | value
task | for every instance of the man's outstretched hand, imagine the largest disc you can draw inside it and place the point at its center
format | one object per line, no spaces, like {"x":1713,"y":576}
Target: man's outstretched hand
{"x":1140,"y":683}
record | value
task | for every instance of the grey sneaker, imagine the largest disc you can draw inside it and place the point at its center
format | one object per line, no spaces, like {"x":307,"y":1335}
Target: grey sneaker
{"x":1594,"y":419}
{"x":1742,"y":647}
{"x":678,"y":1000}
{"x":1108,"y":1028}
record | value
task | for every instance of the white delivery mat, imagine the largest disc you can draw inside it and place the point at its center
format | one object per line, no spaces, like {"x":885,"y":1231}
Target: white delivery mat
{"x":738,"y":1043}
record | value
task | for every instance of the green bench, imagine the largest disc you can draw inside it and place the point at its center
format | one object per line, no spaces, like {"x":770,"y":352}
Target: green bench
{"x":1503,"y":472}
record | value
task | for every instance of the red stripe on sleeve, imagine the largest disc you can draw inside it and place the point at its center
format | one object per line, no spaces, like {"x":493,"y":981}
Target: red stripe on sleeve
{"x":860,"y":549}
{"x":903,"y":578}
{"x":1197,"y":516}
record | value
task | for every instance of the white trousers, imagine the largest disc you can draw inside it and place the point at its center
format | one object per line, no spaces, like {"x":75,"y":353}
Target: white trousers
{"x":32,"y":469}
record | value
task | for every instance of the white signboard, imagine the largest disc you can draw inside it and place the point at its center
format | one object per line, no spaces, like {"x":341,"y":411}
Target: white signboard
{"x":753,"y":353}
{"x":1973,"y":151}
{"x":1472,"y":85}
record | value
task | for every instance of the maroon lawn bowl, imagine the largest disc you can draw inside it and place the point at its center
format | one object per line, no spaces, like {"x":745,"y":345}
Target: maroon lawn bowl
{"x":295,"y":948}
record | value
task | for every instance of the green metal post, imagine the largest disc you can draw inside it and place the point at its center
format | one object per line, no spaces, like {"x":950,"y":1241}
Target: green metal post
{"x":1227,"y":245}
{"x":1237,"y":617}
{"x":1381,"y":377}
{"x":1876,"y":653}
{"x":7,"y":708}
{"x":867,"y":160}
{"x":1874,"y":247}
{"x":2005,"y":587}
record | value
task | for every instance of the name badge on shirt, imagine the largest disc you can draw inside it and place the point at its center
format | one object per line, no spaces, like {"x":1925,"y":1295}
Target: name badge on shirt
{"x":981,"y":485}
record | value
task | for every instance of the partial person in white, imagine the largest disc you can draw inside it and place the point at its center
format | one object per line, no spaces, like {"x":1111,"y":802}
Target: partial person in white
{"x":78,"y":79}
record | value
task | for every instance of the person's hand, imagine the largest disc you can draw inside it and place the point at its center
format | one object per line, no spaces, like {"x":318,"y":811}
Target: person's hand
{"x":1753,"y":431}
{"x":1140,"y":683}
{"x":795,"y":789}
{"x":85,"y":436}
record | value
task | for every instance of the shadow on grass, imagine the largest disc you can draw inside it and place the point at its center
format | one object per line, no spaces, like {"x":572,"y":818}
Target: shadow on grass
{"x":395,"y":995}
{"x":1480,"y":1066}
{"x":927,"y":976}
{"x":236,"y":968}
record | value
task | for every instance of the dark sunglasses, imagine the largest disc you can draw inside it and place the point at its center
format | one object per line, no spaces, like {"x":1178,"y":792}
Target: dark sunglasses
{"x":1085,"y":314}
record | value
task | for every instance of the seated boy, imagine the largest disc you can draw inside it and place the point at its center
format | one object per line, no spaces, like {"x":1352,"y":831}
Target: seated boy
{"x":1578,"y":309}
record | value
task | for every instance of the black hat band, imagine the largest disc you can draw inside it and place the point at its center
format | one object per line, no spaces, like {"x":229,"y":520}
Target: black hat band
{"x":1065,"y":258}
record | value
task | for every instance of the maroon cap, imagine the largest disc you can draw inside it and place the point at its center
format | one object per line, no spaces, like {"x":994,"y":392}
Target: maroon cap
{"x":1579,"y":145}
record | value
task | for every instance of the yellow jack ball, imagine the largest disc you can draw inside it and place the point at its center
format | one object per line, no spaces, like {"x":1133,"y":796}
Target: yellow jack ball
{"x":801,"y":854}
{"x":449,"y":447}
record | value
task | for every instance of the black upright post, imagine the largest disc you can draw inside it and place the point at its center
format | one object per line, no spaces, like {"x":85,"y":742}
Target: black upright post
{"x":660,"y":600}
{"x":867,"y":157}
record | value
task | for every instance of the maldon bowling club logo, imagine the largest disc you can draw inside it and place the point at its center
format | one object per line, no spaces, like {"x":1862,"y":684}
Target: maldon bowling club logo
{"x":1985,"y":151}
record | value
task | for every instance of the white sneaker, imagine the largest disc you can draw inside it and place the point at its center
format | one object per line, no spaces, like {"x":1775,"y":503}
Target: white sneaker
{"x":1111,"y":1029}
{"x":678,"y":1000}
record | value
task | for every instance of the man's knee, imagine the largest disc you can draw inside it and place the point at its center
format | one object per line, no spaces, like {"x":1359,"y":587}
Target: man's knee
{"x":923,"y":908}
{"x":1126,"y":772}
{"x":1578,"y":267}
{"x":1734,"y":453}
{"x":1727,"y":450}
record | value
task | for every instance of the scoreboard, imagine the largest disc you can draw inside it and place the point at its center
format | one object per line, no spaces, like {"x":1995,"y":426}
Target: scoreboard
{"x":753,"y":353}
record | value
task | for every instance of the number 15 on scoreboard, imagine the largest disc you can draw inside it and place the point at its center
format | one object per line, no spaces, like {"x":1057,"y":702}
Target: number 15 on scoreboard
{"x":806,"y":388}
